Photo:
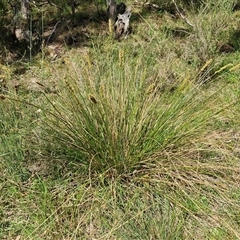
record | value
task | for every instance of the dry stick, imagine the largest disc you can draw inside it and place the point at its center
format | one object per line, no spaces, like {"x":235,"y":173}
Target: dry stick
{"x":54,"y":29}
{"x":181,"y":15}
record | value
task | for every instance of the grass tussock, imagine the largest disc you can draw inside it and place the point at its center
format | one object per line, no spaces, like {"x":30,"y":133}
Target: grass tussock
{"x":122,"y":119}
{"x":123,"y":126}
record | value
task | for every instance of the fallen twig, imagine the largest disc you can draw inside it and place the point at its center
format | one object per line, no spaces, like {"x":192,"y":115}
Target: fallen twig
{"x":54,"y":29}
{"x":181,"y":15}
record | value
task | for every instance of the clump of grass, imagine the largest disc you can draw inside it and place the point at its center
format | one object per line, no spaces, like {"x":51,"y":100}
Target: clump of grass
{"x":210,"y":30}
{"x":113,"y":115}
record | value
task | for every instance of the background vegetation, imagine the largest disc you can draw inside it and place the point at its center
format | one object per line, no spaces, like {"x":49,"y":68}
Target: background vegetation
{"x":137,"y":139}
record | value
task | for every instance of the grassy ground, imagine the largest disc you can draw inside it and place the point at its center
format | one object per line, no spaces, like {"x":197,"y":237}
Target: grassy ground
{"x":137,"y":139}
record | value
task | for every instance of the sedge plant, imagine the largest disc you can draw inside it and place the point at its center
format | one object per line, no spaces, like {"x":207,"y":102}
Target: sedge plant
{"x":113,"y":115}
